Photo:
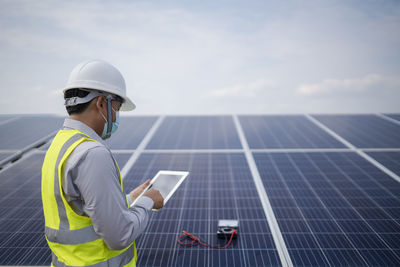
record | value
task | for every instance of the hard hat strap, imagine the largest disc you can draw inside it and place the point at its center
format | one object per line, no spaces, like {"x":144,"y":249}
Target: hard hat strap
{"x":109,"y":116}
{"x":73,"y":101}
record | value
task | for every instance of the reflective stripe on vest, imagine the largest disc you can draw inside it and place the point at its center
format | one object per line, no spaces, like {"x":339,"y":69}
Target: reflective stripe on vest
{"x":71,"y":237}
{"x":73,"y":243}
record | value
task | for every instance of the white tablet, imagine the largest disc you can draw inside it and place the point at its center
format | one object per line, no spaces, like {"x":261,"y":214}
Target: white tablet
{"x":166,"y":182}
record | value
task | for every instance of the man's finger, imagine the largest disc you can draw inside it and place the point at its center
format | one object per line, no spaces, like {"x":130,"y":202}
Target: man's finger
{"x":145,"y":184}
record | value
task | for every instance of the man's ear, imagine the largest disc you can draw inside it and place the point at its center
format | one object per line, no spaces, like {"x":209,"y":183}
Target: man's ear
{"x":99,"y":102}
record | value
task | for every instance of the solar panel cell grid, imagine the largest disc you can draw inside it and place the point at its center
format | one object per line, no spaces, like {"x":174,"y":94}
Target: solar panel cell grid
{"x":285,"y":132}
{"x":319,"y":233}
{"x":197,"y":206}
{"x":333,"y":208}
{"x":363,"y":131}
{"x":196,"y":132}
{"x":22,"y":239}
{"x":391,"y":160}
{"x":21,"y":220}
{"x":131,"y":132}
{"x":24,"y":131}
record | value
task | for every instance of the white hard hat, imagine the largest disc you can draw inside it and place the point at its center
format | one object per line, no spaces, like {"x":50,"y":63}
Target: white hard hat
{"x":102,"y":76}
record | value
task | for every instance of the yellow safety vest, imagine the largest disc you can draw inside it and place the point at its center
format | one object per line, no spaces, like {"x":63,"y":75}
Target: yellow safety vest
{"x":70,"y":236}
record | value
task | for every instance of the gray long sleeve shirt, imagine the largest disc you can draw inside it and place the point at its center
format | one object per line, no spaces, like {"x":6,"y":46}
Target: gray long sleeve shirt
{"x":91,"y":186}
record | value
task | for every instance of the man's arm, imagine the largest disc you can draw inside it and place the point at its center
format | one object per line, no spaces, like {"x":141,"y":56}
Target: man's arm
{"x":105,"y":203}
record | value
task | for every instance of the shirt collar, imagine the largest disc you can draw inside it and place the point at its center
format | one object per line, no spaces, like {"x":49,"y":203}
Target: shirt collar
{"x":70,"y":124}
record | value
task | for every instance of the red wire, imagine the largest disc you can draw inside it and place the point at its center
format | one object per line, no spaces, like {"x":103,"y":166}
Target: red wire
{"x":196,"y":239}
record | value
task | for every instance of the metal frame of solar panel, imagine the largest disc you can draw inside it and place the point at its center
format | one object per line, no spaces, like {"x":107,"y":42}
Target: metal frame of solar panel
{"x":290,"y":131}
{"x":364,"y":131}
{"x":394,"y":116}
{"x":20,"y":132}
{"x":390,"y":159}
{"x":328,"y":200}
{"x":333,"y":208}
{"x":6,"y":154}
{"x":131,"y":132}
{"x":220,"y":186}
{"x":22,"y":240}
{"x":196,"y":132}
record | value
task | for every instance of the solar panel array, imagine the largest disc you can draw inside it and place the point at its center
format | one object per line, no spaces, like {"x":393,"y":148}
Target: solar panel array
{"x":333,"y":204}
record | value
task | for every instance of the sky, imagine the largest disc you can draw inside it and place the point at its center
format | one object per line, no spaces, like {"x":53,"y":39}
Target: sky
{"x":207,"y":57}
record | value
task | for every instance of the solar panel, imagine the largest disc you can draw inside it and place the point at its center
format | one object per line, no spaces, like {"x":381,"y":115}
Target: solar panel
{"x":130,"y":132}
{"x":364,"y":131}
{"x":333,"y":208}
{"x":122,"y":158}
{"x":20,"y":133}
{"x":4,"y":155}
{"x":393,"y":116}
{"x":219,"y":186}
{"x":22,"y":239}
{"x":196,"y":132}
{"x":6,"y":118}
{"x":294,"y":131}
{"x":390,"y":159}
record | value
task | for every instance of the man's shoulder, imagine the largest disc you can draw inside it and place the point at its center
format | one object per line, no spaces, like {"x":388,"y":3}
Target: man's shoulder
{"x":89,"y":149}
{"x":91,"y":144}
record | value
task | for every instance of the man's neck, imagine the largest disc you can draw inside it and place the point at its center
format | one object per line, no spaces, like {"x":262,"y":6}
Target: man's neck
{"x":89,"y":121}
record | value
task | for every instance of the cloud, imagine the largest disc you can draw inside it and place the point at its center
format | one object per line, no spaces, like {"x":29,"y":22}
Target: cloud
{"x":250,"y":89}
{"x":173,"y":53}
{"x":359,"y":84}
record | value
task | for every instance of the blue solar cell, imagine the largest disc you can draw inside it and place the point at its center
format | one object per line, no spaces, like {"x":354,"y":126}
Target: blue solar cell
{"x":131,"y":132}
{"x":196,"y":132}
{"x":363,"y":131}
{"x":316,"y":231}
{"x":24,"y":131}
{"x":285,"y":132}
{"x":215,"y":179}
{"x":390,"y":160}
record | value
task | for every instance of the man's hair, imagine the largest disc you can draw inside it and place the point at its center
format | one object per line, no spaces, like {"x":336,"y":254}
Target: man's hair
{"x":77,"y":109}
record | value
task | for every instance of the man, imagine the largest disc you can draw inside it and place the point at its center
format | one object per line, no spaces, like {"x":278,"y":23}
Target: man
{"x":88,"y":220}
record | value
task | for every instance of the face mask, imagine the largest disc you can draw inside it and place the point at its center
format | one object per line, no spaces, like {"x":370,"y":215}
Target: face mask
{"x":114,"y":125}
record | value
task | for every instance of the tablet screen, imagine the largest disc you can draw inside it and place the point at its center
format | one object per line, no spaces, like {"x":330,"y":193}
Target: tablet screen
{"x":167,"y":182}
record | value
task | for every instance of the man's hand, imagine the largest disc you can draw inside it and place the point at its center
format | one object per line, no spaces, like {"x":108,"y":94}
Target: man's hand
{"x":138,"y":190}
{"x":157,"y":198}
